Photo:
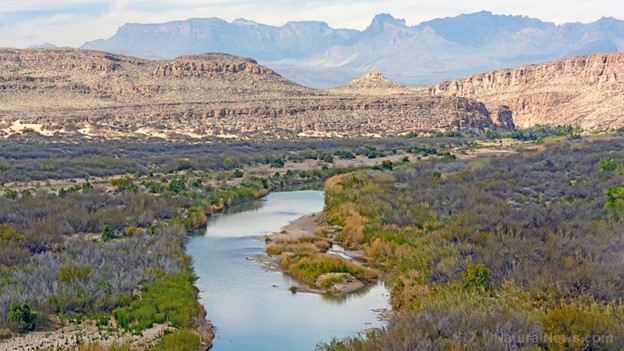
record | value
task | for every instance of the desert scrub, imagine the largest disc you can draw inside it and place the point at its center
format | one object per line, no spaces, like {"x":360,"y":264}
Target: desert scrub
{"x":172,"y":299}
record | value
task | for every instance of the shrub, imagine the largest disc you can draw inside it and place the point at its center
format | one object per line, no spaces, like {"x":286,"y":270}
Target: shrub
{"x":72,"y":273}
{"x":124,"y":183}
{"x":575,"y":328}
{"x":22,"y":318}
{"x":107,"y":233}
{"x":477,"y":277}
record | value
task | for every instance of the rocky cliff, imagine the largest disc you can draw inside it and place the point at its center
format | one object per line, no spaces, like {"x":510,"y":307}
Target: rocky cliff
{"x":587,"y":91}
{"x":95,"y":93}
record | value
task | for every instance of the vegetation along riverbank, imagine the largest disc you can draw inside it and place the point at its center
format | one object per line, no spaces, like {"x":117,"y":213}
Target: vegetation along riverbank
{"x":94,"y":234}
{"x":520,"y":252}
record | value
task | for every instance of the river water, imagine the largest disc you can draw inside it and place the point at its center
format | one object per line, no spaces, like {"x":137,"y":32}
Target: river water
{"x":253,"y":308}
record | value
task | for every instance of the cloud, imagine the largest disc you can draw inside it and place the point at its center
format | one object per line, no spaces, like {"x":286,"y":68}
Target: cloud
{"x":73,"y":22}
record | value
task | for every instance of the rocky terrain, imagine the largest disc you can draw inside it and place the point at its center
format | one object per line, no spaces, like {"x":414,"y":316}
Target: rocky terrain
{"x":72,"y":91}
{"x":314,"y":54}
{"x":584,"y":91}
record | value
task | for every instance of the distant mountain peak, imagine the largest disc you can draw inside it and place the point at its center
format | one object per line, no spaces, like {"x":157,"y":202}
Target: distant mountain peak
{"x":244,"y":22}
{"x":382,"y":20}
{"x":45,"y":45}
{"x":315,"y":54}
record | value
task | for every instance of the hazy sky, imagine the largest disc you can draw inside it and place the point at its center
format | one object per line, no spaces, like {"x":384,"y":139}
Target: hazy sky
{"x":73,"y":22}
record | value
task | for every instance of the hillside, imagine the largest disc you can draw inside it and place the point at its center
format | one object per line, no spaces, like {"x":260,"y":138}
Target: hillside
{"x":586,"y":91}
{"x":93,"y":93}
{"x":314,"y":54}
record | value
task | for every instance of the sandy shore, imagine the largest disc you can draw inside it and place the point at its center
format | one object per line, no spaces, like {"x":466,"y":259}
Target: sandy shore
{"x":300,"y":227}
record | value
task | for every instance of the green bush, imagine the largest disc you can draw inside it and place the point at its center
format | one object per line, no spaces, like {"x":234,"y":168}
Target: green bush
{"x":124,"y":183}
{"x":107,"y":233}
{"x":608,"y":166}
{"x":477,"y":277}
{"x":22,"y":318}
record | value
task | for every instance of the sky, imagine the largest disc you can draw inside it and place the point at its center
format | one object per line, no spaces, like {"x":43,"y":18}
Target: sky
{"x":73,"y":22}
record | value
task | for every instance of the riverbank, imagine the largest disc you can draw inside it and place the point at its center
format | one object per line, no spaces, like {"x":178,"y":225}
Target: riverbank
{"x":252,"y":307}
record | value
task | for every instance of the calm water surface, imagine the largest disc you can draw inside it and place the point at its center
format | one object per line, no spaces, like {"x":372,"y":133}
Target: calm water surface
{"x":252,"y":308}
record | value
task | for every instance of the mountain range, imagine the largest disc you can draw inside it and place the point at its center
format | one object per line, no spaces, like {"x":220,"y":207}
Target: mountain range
{"x":314,"y":54}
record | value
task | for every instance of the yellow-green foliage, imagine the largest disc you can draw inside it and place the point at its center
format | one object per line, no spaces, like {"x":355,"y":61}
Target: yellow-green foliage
{"x":182,"y":340}
{"x":325,"y":281}
{"x":575,"y":327}
{"x":72,"y":273}
{"x":172,"y":299}
{"x":305,"y":244}
{"x":8,"y":235}
{"x":310,"y":267}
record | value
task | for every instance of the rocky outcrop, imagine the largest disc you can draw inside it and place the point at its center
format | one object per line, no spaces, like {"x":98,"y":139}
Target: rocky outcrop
{"x":75,"y":91}
{"x":209,"y":65}
{"x":587,"y":91}
{"x":372,"y":83}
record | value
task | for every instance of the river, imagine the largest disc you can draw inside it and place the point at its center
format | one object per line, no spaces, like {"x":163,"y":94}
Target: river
{"x":252,"y":308}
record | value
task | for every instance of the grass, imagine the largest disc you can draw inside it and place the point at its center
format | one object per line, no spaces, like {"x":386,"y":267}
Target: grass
{"x":306,"y":244}
{"x":309,"y":267}
{"x":172,"y":299}
{"x":182,"y":340}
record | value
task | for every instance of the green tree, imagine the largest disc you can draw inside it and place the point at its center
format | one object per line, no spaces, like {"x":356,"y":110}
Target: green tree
{"x":108,"y":233}
{"x":21,"y":317}
{"x":277,"y":163}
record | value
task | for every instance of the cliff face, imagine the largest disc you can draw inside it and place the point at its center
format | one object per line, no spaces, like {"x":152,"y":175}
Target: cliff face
{"x":587,"y":91}
{"x":80,"y":91}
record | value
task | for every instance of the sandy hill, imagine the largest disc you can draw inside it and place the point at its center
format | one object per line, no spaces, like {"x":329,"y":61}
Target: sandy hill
{"x":96,"y":93}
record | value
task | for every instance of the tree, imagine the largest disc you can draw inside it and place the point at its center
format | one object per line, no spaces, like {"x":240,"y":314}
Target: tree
{"x":615,"y":201}
{"x":108,"y":233}
{"x":277,"y":163}
{"x":22,"y":318}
